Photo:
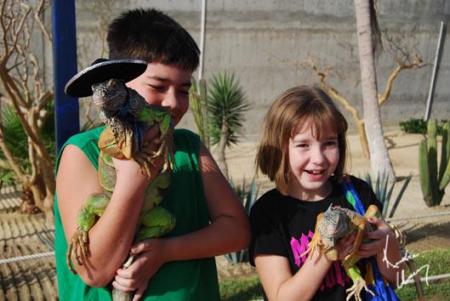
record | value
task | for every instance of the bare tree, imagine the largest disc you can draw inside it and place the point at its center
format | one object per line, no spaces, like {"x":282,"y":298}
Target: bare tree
{"x":23,"y":87}
{"x":92,"y":44}
{"x":404,"y":60}
{"x":366,"y":33}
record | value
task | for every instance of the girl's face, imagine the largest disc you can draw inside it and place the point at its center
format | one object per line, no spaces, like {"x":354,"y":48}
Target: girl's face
{"x":311,"y":162}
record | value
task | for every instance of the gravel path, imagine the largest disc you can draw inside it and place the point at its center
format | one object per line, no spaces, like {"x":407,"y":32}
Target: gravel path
{"x":22,"y":235}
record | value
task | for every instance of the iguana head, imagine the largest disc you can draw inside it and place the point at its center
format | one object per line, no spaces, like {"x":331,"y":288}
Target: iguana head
{"x":334,"y":225}
{"x":110,"y":96}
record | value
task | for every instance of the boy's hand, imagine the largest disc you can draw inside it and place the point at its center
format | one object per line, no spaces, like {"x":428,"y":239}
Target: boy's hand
{"x":130,"y":169}
{"x":149,"y":257}
{"x":378,"y":237}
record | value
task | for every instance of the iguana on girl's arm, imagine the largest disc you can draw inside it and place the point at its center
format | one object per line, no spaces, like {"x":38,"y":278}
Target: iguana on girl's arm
{"x":336,"y":223}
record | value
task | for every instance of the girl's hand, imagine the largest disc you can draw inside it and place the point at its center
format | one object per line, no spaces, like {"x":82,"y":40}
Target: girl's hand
{"x":345,"y":246}
{"x":149,"y":257}
{"x":378,"y":237}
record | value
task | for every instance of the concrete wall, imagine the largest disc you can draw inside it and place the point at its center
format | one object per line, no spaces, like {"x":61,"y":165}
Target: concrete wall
{"x":265,"y":43}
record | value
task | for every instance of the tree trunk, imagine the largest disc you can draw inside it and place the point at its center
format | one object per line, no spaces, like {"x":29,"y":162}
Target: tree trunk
{"x":379,"y":158}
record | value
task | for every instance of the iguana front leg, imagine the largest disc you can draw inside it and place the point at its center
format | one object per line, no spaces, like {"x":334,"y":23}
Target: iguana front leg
{"x":316,"y":240}
{"x":79,"y":243}
{"x":350,"y":260}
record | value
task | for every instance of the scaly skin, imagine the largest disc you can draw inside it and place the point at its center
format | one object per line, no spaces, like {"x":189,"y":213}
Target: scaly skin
{"x":336,"y":223}
{"x":127,"y":117}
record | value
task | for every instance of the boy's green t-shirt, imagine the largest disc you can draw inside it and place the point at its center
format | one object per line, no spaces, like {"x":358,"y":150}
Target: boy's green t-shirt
{"x":175,"y":281}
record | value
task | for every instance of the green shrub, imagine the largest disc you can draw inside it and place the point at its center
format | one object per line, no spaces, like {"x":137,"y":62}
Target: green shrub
{"x":418,"y":126}
{"x":241,"y":289}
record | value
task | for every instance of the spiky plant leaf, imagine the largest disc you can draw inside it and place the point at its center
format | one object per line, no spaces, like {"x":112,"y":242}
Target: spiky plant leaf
{"x":198,"y":102}
{"x":399,"y":196}
{"x":17,"y":141}
{"x":226,"y":103}
{"x":14,"y":135}
{"x":248,"y":195}
{"x":383,"y":190}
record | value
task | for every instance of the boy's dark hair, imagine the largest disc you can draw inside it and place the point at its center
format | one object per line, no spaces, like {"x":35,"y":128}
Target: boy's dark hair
{"x":151,"y":35}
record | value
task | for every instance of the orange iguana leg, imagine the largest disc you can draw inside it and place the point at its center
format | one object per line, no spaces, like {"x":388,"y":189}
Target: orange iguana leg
{"x":350,"y":261}
{"x":316,"y":239}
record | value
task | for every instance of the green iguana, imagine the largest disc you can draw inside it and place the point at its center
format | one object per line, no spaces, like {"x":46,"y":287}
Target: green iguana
{"x":334,"y":224}
{"x":127,"y":116}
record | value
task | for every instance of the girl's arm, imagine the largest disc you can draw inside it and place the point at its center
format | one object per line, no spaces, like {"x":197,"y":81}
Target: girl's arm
{"x":280,"y":285}
{"x":386,"y":248}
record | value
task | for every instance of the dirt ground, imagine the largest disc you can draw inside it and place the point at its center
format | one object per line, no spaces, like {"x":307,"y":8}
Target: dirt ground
{"x":34,"y":279}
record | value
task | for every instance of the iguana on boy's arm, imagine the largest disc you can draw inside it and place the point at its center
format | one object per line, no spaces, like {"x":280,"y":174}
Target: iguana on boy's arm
{"x":127,"y":117}
{"x":336,"y":223}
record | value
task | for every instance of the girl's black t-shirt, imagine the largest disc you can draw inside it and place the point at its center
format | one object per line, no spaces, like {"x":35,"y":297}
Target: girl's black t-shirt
{"x":283,"y":225}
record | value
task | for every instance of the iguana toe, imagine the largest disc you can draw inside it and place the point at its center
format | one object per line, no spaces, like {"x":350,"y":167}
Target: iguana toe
{"x":356,"y":289}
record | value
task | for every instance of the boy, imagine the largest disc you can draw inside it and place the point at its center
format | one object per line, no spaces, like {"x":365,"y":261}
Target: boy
{"x":210,"y":219}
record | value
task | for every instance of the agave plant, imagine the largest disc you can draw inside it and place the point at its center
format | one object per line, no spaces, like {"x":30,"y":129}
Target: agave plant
{"x":383,"y":189}
{"x":226,"y":106}
{"x":248,"y":195}
{"x":15,"y":138}
{"x":17,"y":142}
{"x":198,"y":102}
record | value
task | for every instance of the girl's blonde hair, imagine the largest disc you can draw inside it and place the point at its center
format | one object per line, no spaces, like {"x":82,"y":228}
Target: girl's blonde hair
{"x":291,"y":110}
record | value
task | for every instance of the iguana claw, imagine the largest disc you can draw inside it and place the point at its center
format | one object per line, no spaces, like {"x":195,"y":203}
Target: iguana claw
{"x":356,"y":289}
{"x":78,"y":248}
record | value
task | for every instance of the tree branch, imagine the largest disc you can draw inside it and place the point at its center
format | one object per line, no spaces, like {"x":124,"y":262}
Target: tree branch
{"x":417,"y":63}
{"x":37,"y":16}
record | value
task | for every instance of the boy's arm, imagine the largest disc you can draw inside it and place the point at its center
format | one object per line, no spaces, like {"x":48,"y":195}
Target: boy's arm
{"x":229,"y":227}
{"x":228,"y":231}
{"x":111,"y":237}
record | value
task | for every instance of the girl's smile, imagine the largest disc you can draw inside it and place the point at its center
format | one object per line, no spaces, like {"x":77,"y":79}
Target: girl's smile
{"x":313,"y":158}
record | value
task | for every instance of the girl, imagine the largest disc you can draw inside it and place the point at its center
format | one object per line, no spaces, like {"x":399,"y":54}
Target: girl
{"x":303,"y":150}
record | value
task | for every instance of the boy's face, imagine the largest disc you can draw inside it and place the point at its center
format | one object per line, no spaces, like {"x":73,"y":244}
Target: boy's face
{"x":165,"y":85}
